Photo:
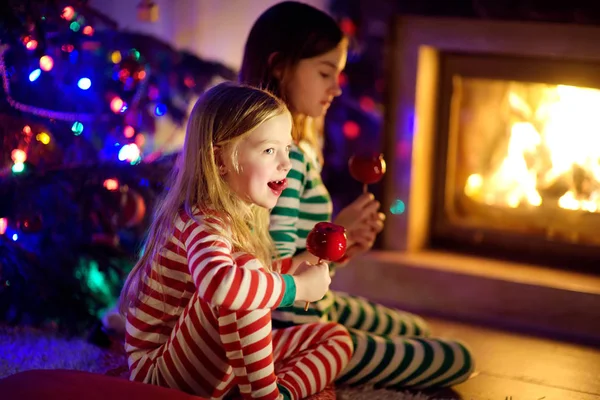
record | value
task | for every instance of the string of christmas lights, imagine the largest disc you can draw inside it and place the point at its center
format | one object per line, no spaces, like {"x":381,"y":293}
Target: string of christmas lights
{"x":104,"y":86}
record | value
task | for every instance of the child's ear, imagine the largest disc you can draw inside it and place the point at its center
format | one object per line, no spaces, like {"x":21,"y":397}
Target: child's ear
{"x":218,"y":153}
{"x":275,"y":65}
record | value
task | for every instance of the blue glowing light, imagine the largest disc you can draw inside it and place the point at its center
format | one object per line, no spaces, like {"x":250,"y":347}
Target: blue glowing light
{"x":398,"y":207}
{"x":160,"y":109}
{"x":18,"y":167}
{"x":35,"y":74}
{"x":84,"y":83}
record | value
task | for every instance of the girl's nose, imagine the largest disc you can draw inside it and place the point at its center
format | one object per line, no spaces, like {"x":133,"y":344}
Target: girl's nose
{"x":286,"y":163}
{"x":336,"y":90}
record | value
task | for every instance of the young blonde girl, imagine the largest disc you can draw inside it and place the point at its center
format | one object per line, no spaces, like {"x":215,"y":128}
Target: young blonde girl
{"x":198,"y":301}
{"x":298,"y":52}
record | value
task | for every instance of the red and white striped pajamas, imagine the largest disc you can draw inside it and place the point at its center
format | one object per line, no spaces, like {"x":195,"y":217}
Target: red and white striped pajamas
{"x":204,"y":324}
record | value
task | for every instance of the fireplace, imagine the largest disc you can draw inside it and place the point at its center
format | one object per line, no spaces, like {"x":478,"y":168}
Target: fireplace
{"x":493,"y":139}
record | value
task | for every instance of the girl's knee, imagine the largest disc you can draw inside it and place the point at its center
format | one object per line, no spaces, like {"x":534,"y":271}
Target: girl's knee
{"x":468,"y":361}
{"x":340,"y":334}
{"x":335,"y":328}
{"x":468,"y":354}
{"x":466,"y":349}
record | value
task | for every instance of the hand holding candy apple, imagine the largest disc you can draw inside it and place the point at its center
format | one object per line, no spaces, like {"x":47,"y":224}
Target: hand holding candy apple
{"x":326,"y":241}
{"x":367,"y":169}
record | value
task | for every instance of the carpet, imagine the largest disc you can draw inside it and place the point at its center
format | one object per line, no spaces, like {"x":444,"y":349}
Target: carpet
{"x":26,"y":348}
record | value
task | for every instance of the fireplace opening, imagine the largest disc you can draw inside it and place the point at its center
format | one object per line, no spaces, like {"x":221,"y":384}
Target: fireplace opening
{"x":517,"y":171}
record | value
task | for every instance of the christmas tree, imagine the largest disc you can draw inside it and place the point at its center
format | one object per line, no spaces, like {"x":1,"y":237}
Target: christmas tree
{"x":81,"y":109}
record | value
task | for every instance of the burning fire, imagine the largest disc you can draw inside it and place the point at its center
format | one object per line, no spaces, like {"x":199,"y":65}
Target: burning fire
{"x":553,"y":154}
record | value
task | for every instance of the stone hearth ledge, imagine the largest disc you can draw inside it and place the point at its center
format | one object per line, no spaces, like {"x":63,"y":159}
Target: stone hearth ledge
{"x":520,"y":297}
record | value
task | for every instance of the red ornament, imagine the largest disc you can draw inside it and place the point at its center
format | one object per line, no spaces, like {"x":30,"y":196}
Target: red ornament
{"x":367,"y":169}
{"x":106,"y":239}
{"x":133,"y":207}
{"x":327,"y":241}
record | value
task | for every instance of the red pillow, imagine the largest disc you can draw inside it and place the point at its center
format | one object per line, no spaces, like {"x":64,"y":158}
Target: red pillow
{"x":62,"y":384}
{"x":78,"y":385}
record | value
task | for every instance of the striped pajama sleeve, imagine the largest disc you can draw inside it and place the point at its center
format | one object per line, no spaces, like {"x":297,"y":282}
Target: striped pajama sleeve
{"x":219,"y":279}
{"x":284,"y":216}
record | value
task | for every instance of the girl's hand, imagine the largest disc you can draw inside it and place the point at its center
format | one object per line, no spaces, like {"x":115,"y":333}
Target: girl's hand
{"x":312,"y":281}
{"x":364,"y":208}
{"x":362,"y":236}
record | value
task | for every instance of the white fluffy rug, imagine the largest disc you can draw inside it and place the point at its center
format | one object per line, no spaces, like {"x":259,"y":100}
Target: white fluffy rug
{"x":23,"y":349}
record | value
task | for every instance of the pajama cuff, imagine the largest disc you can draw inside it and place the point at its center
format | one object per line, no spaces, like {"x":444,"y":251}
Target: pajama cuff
{"x":289,"y":296}
{"x":284,"y":392}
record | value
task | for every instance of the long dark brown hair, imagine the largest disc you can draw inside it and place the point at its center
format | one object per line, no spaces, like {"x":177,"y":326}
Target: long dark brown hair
{"x":281,"y":37}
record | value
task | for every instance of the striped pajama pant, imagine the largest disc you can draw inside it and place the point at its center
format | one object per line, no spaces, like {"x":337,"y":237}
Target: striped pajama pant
{"x":236,"y":353}
{"x":392,"y":349}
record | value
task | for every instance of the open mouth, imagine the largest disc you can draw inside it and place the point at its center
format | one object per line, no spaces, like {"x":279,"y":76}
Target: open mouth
{"x":278,"y":186}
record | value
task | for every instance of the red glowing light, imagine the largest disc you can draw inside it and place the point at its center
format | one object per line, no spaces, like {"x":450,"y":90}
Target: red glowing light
{"x":351,"y":130}
{"x":129,"y":131}
{"x":68,"y":13}
{"x":111,"y":184}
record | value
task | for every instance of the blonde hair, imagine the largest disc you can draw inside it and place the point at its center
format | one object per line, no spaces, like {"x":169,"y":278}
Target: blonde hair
{"x":220,"y":119}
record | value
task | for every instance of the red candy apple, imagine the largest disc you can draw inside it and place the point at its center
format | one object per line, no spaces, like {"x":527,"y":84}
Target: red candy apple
{"x":367,"y":169}
{"x":326,"y":241}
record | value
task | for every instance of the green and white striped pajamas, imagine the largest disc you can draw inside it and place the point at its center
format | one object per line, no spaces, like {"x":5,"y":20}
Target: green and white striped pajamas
{"x":392,"y":348}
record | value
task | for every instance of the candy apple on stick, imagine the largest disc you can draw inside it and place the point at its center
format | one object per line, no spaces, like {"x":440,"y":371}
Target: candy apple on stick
{"x":367,"y":169}
{"x":326,"y":241}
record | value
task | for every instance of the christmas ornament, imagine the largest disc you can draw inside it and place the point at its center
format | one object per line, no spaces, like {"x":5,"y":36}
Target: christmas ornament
{"x":133,"y":207}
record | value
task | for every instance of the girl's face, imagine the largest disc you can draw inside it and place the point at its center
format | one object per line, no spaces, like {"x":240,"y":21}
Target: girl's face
{"x":258,"y":169}
{"x":314,"y":82}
